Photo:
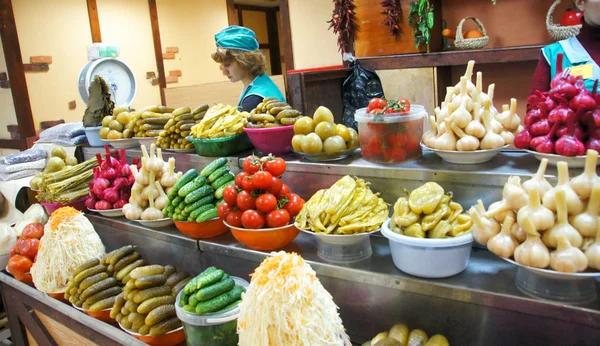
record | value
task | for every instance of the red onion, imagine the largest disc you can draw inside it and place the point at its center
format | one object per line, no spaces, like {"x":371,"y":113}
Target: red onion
{"x":103,"y":205}
{"x":110,"y":161}
{"x":522,"y":139}
{"x":119,"y":204}
{"x":565,"y":90}
{"x":545,"y":144}
{"x":568,"y":144}
{"x":594,"y":141}
{"x":584,"y":100}
{"x":561,"y":114}
{"x":112,"y":194}
{"x":125,"y":169}
{"x":100,"y":185}
{"x":578,"y":131}
{"x":90,"y":202}
{"x":540,"y":128}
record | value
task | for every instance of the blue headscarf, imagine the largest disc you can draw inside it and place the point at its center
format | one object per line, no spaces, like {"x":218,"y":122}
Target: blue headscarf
{"x":237,"y":37}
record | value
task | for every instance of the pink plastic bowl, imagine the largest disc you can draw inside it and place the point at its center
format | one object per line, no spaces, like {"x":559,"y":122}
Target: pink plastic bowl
{"x":77,"y":204}
{"x":272,"y":140}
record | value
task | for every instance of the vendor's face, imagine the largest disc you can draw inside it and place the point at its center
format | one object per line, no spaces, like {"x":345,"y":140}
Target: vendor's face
{"x":591,"y":10}
{"x":234,"y":71}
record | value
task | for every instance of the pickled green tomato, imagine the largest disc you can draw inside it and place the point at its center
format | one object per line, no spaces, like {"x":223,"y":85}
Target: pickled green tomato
{"x":334,"y":144}
{"x":312,"y":144}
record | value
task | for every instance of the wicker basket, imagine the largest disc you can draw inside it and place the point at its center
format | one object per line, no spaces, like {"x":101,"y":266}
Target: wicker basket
{"x":556,"y":31}
{"x":470,"y":43}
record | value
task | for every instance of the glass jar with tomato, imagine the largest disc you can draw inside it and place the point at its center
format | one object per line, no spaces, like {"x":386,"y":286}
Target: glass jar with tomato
{"x":391,"y":137}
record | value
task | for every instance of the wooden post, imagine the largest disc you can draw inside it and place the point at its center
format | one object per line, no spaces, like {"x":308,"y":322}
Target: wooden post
{"x":16,"y":73}
{"x":232,"y":16}
{"x":94,"y":21}
{"x":275,"y":53}
{"x":288,"y":53}
{"x":162,"y":81}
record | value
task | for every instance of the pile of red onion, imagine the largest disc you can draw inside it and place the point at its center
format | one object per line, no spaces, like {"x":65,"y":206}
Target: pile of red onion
{"x":111,"y":186}
{"x":564,"y":120}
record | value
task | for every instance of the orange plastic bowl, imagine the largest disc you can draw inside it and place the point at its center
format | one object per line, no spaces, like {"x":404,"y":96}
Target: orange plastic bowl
{"x":102,"y":315}
{"x":265,"y":239}
{"x":202,"y":230}
{"x":174,"y":337}
{"x":59,"y":296}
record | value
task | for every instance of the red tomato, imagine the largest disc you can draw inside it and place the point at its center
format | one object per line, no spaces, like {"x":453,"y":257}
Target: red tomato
{"x":19,"y":265}
{"x":376,"y":103}
{"x":278,"y":218}
{"x":33,"y":230}
{"x":397,"y":139}
{"x":28,"y":247}
{"x":240,"y":178}
{"x":294,"y":205}
{"x":252,"y":164}
{"x":247,"y":183}
{"x":235,"y":218}
{"x":24,"y":278}
{"x":252,"y":219}
{"x":262,"y":180}
{"x":223,"y":210}
{"x":375,"y":111}
{"x":276,"y":167}
{"x":389,"y":110}
{"x":245,"y":200}
{"x":13,"y":251}
{"x":266,"y":203}
{"x":572,"y":17}
{"x":404,"y":104}
{"x":230,"y":195}
{"x":276,"y":185}
{"x":285,"y":190}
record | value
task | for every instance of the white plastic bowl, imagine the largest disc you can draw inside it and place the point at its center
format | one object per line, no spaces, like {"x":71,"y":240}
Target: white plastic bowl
{"x":465,"y":157}
{"x":429,"y":258}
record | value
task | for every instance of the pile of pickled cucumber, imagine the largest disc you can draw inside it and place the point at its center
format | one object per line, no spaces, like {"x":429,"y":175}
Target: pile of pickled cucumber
{"x":147,"y":303}
{"x":96,"y":283}
{"x":400,"y":335}
{"x":429,"y":212}
{"x":211,"y":291}
{"x":272,"y":113}
{"x":195,"y":196}
{"x":150,"y":121}
{"x":176,"y":130}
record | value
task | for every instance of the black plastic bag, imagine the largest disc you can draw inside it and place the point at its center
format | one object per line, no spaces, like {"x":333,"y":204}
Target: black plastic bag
{"x":358,"y":89}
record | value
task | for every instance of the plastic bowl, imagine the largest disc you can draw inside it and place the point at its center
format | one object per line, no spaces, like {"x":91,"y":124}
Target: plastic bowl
{"x":202,"y":230}
{"x":102,"y":315}
{"x":77,"y":204}
{"x":265,"y":239}
{"x":93,"y":136}
{"x":59,"y":296}
{"x":4,"y":260}
{"x":429,"y":258}
{"x":172,"y":338}
{"x":221,"y":146}
{"x":215,"y":329}
{"x":466,"y":157}
{"x":392,"y":138}
{"x":272,"y":140}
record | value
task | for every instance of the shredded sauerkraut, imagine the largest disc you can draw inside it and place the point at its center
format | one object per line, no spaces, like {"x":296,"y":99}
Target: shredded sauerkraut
{"x":286,"y":304}
{"x":69,"y":240}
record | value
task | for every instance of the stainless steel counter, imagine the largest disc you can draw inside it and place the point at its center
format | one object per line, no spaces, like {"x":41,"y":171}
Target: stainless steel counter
{"x":467,"y":182}
{"x":373,"y":294}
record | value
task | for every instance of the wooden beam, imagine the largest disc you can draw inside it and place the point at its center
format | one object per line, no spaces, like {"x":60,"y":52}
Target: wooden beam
{"x":16,"y":73}
{"x":243,"y":7}
{"x":94,"y":21}
{"x":158,"y":55}
{"x":232,"y":16}
{"x":19,"y":144}
{"x":240,"y":16}
{"x":273,"y":32}
{"x":286,"y":33}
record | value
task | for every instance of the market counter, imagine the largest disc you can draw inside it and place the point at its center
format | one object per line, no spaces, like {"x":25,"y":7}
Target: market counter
{"x":482,"y":305}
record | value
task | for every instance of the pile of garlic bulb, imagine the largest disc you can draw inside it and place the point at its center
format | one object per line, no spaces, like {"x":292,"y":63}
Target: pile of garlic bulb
{"x":468,"y":121}
{"x":543,"y":226}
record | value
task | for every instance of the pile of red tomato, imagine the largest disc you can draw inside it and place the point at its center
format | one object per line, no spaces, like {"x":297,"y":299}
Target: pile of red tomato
{"x":259,"y":198}
{"x":24,"y":253}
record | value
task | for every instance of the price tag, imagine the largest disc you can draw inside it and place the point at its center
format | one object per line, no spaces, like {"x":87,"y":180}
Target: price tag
{"x":584,"y":71}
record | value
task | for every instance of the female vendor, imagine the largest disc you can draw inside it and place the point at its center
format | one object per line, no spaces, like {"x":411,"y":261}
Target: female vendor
{"x":237,"y":52}
{"x":582,"y":51}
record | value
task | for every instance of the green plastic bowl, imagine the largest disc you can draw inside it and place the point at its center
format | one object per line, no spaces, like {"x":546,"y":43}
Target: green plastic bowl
{"x":221,"y":146}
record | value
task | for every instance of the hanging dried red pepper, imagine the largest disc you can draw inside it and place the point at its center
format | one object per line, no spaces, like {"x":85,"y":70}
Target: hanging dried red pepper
{"x":393,"y":11}
{"x":343,"y":22}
